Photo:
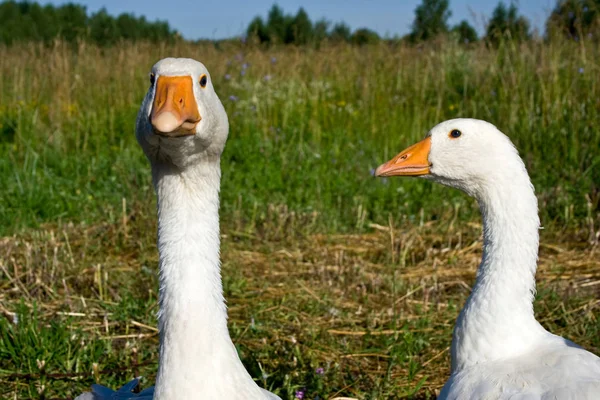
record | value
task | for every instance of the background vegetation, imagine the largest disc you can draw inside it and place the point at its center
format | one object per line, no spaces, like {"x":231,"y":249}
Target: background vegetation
{"x":337,"y":283}
{"x":26,"y":21}
{"x":29,"y":21}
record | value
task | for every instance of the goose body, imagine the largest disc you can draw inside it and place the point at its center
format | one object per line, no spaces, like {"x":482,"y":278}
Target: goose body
{"x":499,"y":350}
{"x":182,"y":128}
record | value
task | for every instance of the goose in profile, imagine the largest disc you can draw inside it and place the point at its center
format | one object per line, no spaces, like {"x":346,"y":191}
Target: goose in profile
{"x":499,"y":350}
{"x":182,"y":128}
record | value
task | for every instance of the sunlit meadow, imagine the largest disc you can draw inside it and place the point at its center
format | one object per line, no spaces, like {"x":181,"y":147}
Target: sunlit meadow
{"x":338,"y":283}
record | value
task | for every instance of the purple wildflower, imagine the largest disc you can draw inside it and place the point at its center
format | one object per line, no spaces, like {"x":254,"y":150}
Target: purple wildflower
{"x":581,"y":70}
{"x":299,"y":394}
{"x":243,"y":72}
{"x":245,"y":65}
{"x":233,"y":98}
{"x":372,"y":172}
{"x":227,"y":77}
{"x":267,"y":78}
{"x":320,"y":371}
{"x":273,"y":60}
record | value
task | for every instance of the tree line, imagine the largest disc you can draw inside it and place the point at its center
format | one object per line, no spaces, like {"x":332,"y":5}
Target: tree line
{"x":28,"y":21}
{"x":299,"y":29}
{"x":570,"y":18}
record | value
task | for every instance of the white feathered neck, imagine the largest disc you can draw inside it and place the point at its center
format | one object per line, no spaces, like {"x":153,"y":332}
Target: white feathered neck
{"x":197,"y":355}
{"x":497,"y":320}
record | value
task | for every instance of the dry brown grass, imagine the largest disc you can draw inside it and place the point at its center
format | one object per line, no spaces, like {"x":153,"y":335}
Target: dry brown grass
{"x":375,"y":310}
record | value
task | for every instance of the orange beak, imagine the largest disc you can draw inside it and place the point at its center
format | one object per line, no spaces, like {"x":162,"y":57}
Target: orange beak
{"x":413,"y":161}
{"x":174,"y":111}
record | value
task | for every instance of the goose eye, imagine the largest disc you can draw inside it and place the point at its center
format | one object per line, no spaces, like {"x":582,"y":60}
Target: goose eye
{"x":203,"y":81}
{"x":455,"y":133}
{"x":152,"y":79}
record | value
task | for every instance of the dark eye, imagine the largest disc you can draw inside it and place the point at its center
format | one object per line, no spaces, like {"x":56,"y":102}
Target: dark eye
{"x":455,"y":133}
{"x":152,"y":79}
{"x":203,"y":81}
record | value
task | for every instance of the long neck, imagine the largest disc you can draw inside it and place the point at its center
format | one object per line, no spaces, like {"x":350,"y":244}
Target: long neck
{"x":197,"y":356}
{"x":498,"y":320}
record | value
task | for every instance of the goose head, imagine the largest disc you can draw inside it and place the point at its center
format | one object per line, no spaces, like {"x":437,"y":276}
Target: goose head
{"x":467,"y":154}
{"x":181,"y":120}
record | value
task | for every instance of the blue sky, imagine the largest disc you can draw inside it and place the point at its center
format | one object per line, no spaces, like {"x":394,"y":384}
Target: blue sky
{"x":218,"y":19}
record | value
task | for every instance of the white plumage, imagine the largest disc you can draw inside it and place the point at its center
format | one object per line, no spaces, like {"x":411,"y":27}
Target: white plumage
{"x":499,"y":350}
{"x":182,"y":127}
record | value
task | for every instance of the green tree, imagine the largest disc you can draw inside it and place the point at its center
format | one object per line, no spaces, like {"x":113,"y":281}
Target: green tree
{"x":575,"y":19}
{"x":464,"y":32}
{"x":277,"y":24}
{"x":257,"y":30}
{"x":72,"y":21}
{"x":21,"y":21}
{"x":431,"y":19}
{"x":10,"y":22}
{"x":506,"y":23}
{"x":340,"y":33}
{"x":27,"y":28}
{"x":129,"y":27}
{"x":158,"y":31}
{"x":103,"y":28}
{"x":364,"y":36}
{"x":321,"y":30}
{"x":300,"y":29}
{"x":44,"y":20}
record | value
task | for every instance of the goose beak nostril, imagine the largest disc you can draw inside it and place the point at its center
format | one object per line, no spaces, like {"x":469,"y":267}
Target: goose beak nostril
{"x":175,"y":110}
{"x":414,"y":161}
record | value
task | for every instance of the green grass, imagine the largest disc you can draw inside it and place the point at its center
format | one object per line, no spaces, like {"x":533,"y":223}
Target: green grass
{"x":324,"y":265}
{"x":307,"y":138}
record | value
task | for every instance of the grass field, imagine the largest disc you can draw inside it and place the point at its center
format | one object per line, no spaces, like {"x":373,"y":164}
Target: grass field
{"x":338,"y":284}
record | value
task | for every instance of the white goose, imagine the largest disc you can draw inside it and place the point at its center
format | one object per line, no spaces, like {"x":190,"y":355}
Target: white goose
{"x":499,"y":350}
{"x":182,"y":127}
